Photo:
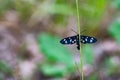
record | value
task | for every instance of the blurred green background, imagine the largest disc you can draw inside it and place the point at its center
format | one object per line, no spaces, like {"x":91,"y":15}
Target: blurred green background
{"x":30,"y":34}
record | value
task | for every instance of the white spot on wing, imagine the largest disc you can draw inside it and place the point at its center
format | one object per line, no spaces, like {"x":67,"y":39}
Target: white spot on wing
{"x":75,"y":40}
{"x":66,"y":42}
{"x":85,"y":39}
{"x":70,"y":40}
{"x":91,"y":40}
{"x":64,"y":39}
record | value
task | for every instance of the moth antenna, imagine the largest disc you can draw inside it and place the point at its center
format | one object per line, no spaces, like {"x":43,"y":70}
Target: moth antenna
{"x":74,"y":31}
{"x":83,"y":31}
{"x":77,"y":33}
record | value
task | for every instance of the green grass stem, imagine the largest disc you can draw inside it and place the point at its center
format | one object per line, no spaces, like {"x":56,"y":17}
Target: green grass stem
{"x":78,"y":25}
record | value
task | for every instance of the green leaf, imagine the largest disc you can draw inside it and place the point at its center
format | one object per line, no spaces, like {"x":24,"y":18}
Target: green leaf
{"x":88,"y":54}
{"x":54,"y":70}
{"x":114,"y":30}
{"x":53,"y":50}
{"x":56,"y":53}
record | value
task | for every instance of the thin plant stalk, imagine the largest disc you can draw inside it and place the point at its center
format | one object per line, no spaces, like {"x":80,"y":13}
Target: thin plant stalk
{"x":78,"y":25}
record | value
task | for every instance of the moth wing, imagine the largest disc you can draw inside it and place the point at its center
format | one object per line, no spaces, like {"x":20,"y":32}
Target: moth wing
{"x":69,"y":40}
{"x":87,"y":39}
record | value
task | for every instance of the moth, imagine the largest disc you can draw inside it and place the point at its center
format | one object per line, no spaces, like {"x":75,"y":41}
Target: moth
{"x":75,"y":40}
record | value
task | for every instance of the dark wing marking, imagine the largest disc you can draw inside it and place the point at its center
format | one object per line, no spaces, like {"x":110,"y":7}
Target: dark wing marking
{"x":69,"y":40}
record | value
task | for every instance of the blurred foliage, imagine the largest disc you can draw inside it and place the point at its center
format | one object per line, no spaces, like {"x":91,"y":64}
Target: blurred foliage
{"x":4,"y":69}
{"x":59,"y":60}
{"x":91,"y":11}
{"x":93,"y":77}
{"x":52,"y":48}
{"x":115,"y":25}
{"x":1,"y":76}
{"x":62,"y":9}
{"x":88,"y":54}
{"x":44,"y":8}
{"x":114,"y":29}
{"x":54,"y":52}
{"x":110,"y":66}
{"x":24,"y":8}
{"x":52,"y":70}
{"x":5,"y":5}
{"x":116,"y":4}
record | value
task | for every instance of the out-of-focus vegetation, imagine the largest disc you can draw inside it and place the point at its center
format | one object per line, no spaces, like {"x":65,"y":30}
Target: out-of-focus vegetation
{"x":4,"y":69}
{"x":116,"y":4}
{"x":51,"y":48}
{"x":30,"y":31}
{"x":114,"y":29}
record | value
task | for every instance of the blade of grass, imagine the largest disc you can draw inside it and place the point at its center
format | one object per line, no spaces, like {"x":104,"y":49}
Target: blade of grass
{"x":78,"y":24}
